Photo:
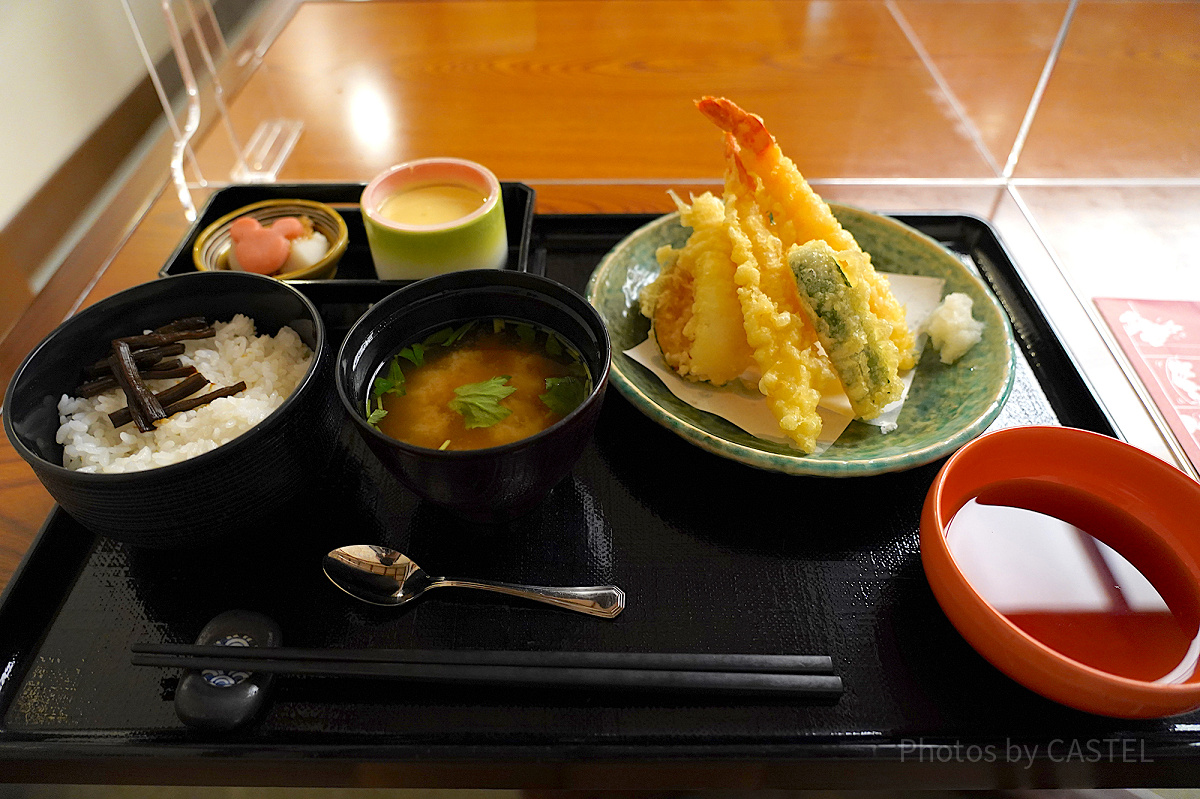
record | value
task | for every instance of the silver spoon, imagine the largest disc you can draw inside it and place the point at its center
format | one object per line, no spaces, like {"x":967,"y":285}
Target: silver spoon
{"x":384,"y":576}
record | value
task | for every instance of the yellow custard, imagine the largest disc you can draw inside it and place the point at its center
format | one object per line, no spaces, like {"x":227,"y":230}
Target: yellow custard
{"x":432,"y":204}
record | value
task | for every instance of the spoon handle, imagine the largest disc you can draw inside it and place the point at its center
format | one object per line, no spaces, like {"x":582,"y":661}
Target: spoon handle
{"x":597,"y":600}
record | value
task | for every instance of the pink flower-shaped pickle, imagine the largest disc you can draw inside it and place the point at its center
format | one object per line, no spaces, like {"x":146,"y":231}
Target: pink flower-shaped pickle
{"x":258,"y":249}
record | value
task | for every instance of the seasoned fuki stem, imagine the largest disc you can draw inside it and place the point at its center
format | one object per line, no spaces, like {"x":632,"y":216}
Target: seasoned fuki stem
{"x":143,"y":406}
{"x":184,"y":388}
{"x":159,"y":339}
{"x":196,"y":402}
{"x":142,"y":358}
{"x":160,"y":371}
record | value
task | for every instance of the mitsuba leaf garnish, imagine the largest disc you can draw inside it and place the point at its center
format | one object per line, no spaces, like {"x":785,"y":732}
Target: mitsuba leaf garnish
{"x":563,"y":394}
{"x":414,"y":354}
{"x":392,"y":383}
{"x":440,"y":337}
{"x":448,"y":335}
{"x":479,"y":403}
{"x":554,"y":347}
{"x":526,"y":333}
{"x":460,"y":332}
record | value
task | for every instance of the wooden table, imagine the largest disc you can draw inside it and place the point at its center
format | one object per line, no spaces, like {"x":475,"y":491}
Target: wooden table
{"x":1069,"y":126}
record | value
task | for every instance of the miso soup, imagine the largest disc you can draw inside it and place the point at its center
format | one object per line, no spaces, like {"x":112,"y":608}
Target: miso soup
{"x":477,"y":384}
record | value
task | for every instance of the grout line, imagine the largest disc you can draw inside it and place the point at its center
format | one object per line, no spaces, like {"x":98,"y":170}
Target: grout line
{"x":718,"y":181}
{"x":1035,"y":102}
{"x":963,"y":183}
{"x":964,"y":118}
{"x":1108,"y":182}
{"x":933,"y":182}
{"x":969,"y":183}
{"x":1184,"y":463}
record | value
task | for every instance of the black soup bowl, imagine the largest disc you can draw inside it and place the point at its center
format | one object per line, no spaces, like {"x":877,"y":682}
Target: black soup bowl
{"x":237,"y":489}
{"x":495,"y":484}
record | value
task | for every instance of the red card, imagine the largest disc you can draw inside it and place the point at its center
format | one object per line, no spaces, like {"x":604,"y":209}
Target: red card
{"x":1161,"y":339}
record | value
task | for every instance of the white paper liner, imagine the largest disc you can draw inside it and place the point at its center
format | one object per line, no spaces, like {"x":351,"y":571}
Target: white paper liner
{"x":745,"y":407}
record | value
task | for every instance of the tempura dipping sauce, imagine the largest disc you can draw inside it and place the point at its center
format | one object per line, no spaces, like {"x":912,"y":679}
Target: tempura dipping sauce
{"x":1072,"y":592}
{"x":435,"y":204}
{"x":478,"y":384}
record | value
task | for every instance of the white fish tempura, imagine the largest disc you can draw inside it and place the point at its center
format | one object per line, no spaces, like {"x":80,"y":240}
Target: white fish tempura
{"x":694,"y":304}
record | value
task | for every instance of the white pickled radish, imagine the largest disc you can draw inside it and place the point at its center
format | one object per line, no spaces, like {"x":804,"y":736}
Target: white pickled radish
{"x":306,"y":252}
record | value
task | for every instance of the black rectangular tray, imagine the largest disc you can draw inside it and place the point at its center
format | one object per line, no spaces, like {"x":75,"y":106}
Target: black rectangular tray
{"x":356,"y":270}
{"x":714,"y":556}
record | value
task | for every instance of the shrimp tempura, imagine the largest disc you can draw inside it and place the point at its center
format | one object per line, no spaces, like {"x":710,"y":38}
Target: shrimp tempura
{"x":785,"y":347}
{"x":770,"y":279}
{"x":798,"y":215}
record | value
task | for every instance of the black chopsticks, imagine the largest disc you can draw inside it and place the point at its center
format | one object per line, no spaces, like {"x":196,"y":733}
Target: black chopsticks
{"x":809,"y":676}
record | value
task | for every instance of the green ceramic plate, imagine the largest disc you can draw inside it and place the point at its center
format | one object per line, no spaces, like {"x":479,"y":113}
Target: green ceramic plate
{"x":946,"y":406}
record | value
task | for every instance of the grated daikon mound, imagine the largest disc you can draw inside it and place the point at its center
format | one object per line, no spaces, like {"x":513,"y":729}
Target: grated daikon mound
{"x":952,"y":330}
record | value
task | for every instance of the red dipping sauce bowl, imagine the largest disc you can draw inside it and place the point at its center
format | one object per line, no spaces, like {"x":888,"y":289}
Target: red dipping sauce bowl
{"x":1071,"y":561}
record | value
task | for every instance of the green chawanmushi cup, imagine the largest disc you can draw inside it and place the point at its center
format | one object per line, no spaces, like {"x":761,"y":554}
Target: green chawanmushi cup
{"x":403,"y":251}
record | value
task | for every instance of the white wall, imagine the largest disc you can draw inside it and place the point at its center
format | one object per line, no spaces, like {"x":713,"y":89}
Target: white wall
{"x":65,"y":65}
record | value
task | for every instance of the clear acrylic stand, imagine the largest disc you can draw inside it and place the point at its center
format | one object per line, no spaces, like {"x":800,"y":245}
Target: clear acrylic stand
{"x":193,"y":35}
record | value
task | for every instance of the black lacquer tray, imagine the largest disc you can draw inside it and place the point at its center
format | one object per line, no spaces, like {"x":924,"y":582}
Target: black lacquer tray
{"x":714,"y":556}
{"x":356,"y":270}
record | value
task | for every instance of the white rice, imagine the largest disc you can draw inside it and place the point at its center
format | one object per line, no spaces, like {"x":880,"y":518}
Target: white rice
{"x":271,"y":366}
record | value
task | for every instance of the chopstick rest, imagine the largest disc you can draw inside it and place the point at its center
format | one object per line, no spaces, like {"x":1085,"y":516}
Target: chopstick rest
{"x":807,"y":676}
{"x":223,"y":699}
